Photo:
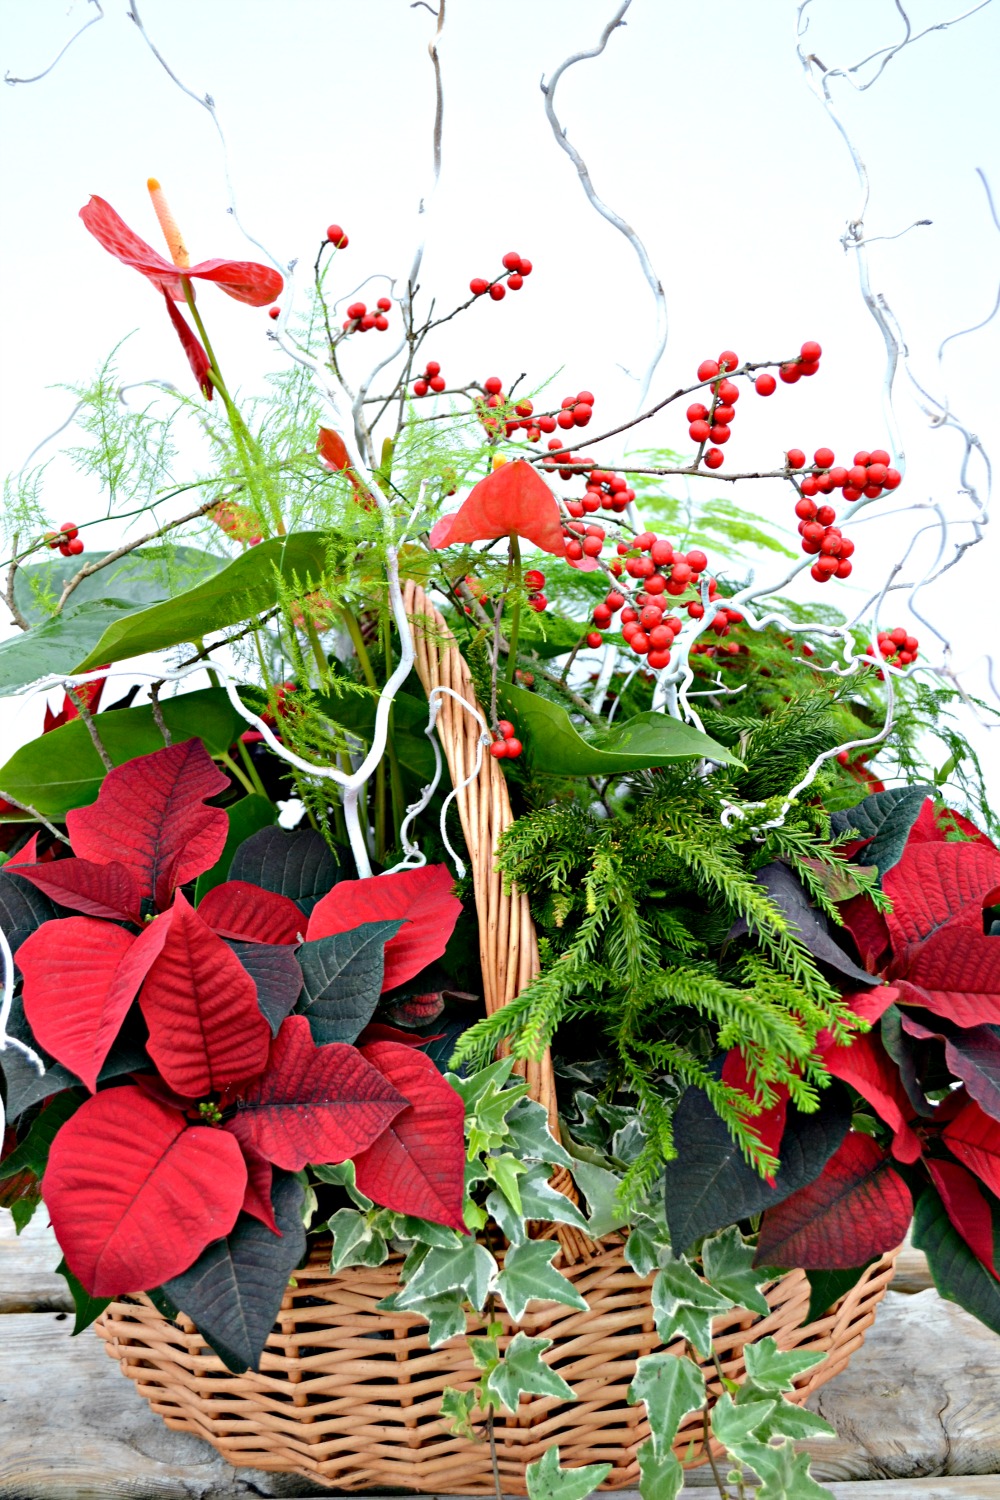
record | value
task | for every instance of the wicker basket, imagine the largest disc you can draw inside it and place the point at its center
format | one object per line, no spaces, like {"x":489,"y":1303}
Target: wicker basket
{"x":349,"y":1396}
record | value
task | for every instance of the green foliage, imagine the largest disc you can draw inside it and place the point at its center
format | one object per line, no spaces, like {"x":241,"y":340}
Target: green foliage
{"x":547,"y":1481}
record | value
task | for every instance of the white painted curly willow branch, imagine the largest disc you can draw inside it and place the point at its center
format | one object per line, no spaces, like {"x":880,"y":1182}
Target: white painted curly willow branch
{"x":414,"y":856}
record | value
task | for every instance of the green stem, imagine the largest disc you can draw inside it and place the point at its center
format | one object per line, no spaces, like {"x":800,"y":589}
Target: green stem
{"x":319,"y":655}
{"x":234,"y":770}
{"x":247,"y":760}
{"x":513,"y":581}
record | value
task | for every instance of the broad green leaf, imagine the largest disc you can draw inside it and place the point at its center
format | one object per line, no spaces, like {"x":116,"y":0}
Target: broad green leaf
{"x":445,"y":1316}
{"x":22,"y":1210}
{"x":62,"y":769}
{"x":522,"y":1369}
{"x":661,"y":1475}
{"x":54,"y":647}
{"x":342,"y":980}
{"x":457,"y":1408}
{"x":827,"y":1287}
{"x":244,"y":588}
{"x":886,"y":818}
{"x":958,"y":1274}
{"x":670,"y":1386}
{"x":136,"y":580}
{"x":728,"y":1264}
{"x":407,"y":722}
{"x":249,"y":815}
{"x":684,"y":1306}
{"x":542,"y":1201}
{"x":528,"y":1275}
{"x":470,"y":1270}
{"x":32,"y":1154}
{"x":773,"y":1369}
{"x":547,"y":1481}
{"x":600,"y":1188}
{"x":528,"y":1125}
{"x":553,"y":744}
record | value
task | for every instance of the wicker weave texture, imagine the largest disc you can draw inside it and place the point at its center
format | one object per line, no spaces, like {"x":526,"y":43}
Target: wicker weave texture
{"x":351,"y":1397}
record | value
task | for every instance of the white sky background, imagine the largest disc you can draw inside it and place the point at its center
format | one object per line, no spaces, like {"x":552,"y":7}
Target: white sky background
{"x":698,"y":128}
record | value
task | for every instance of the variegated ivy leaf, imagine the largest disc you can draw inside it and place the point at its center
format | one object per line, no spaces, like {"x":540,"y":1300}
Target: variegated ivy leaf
{"x":486,"y":1126}
{"x":547,"y":1481}
{"x":728,"y":1264}
{"x":660,"y":1474}
{"x":522,"y":1370}
{"x":734,"y":1425}
{"x":407,"y":1227}
{"x":785,"y":1420}
{"x":505,"y":1170}
{"x":542,"y":1201}
{"x":684,"y":1306}
{"x":342,"y":1175}
{"x":470,"y":1270}
{"x":784,"y":1474}
{"x":600,"y":1188}
{"x":772,"y":1369}
{"x":457,"y":1408}
{"x":355,"y":1242}
{"x":510,"y":1222}
{"x":670,"y":1386}
{"x":528,"y":1275}
{"x":648,"y":1246}
{"x":445,"y":1316}
{"x":528,"y":1127}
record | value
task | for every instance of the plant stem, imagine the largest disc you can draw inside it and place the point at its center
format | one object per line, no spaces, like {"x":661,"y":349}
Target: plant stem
{"x":513,"y":580}
{"x":247,"y":760}
{"x":234,"y":770}
{"x":706,"y":1439}
{"x":319,"y":655}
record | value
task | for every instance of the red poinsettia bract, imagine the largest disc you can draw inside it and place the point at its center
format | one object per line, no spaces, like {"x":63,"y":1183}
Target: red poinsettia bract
{"x":144,"y":1175}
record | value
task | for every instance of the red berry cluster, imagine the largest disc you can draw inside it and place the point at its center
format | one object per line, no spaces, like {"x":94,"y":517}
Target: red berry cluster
{"x":66,"y":540}
{"x":714,"y":423}
{"x":604,"y":492}
{"x":794,"y":369}
{"x":869,"y":475}
{"x":338,"y":239}
{"x":359,"y":319}
{"x":506,"y":746}
{"x":534,"y":581}
{"x":516,"y":267}
{"x":431,"y":380}
{"x":897,"y":647}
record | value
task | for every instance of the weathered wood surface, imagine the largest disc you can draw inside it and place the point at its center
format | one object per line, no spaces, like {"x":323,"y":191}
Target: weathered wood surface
{"x":921,"y":1399}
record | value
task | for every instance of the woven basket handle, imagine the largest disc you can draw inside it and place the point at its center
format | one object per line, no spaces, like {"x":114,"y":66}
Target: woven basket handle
{"x":508,"y":947}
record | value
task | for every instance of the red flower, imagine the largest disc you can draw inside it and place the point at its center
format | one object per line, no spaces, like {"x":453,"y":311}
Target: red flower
{"x":243,"y":279}
{"x":512,"y":498}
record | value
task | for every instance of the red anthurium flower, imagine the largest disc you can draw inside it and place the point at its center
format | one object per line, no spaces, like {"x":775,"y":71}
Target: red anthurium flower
{"x":512,"y":498}
{"x":424,"y":900}
{"x":333,"y":451}
{"x":245,"y":280}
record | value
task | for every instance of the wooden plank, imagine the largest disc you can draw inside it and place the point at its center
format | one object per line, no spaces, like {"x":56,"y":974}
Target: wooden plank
{"x":28,"y":1281}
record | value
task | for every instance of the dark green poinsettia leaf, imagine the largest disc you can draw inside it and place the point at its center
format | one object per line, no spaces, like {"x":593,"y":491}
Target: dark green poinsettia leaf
{"x":342,"y":977}
{"x":23,"y":908}
{"x":886,"y":818}
{"x":247,"y":586}
{"x":958,"y":1274}
{"x":246,"y":817}
{"x":62,"y":769}
{"x":140,"y":578}
{"x":407,"y":725}
{"x":709,"y":1184}
{"x":296,"y":864}
{"x":275,"y":971}
{"x":553,"y":744}
{"x":811,"y":926}
{"x":87,"y":1307}
{"x":26,"y":1086}
{"x":827,"y":1287}
{"x":234,"y":1289}
{"x":32,"y":1154}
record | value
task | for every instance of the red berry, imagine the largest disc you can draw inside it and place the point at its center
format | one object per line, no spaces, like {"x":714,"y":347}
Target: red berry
{"x":830,"y":545}
{"x":661,"y":638}
{"x":810,"y":485}
{"x":681,"y":572}
{"x":274,"y":312}
{"x":506,"y":728}
{"x":658,"y":658}
{"x":708,"y":369}
{"x":662,"y":552}
{"x":629,"y":629}
{"x":337,"y":237}
{"x":877,"y":473}
{"x":498,"y":291}
{"x":697,"y":411}
{"x":438,"y":383}
{"x":846,"y":546}
{"x":805,"y":508}
{"x":74,"y":547}
{"x":384,"y":304}
{"x":820,"y":574}
{"x":511,"y":261}
{"x":795,"y":458}
{"x":844,"y":569}
{"x":725,"y":414}
{"x":696,"y":609}
{"x":720,"y":433}
{"x":477,"y":286}
{"x":420,"y":387}
{"x":381,"y":322}
{"x":525,"y":267}
{"x":639,"y":642}
{"x":714,"y":458}
{"x":513,"y":747}
{"x":547,"y":424}
{"x":765,"y":385}
{"x":602,"y":616}
{"x":493,"y":384}
{"x":893,"y":478}
{"x":812,"y":531}
{"x":789,"y":374}
{"x":728,"y":360}
{"x":872,"y":491}
{"x":534,"y":579}
{"x":650,"y":615}
{"x":699,"y":431}
{"x":863,"y":458}
{"x":826,"y":515}
{"x":538,"y":602}
{"x":595,"y":638}
{"x":728,"y":392}
{"x":515,"y":282}
{"x":655,"y":583}
{"x":879,"y":456}
{"x":356,"y":310}
{"x":582,"y":413}
{"x":808,"y":367}
{"x":852,"y":493}
{"x":629,"y":615}
{"x":498,"y":749}
{"x":811,"y":351}
{"x":564,"y":419}
{"x":69,"y":530}
{"x":614,"y":601}
{"x":696,"y":560}
{"x":823,"y":458}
